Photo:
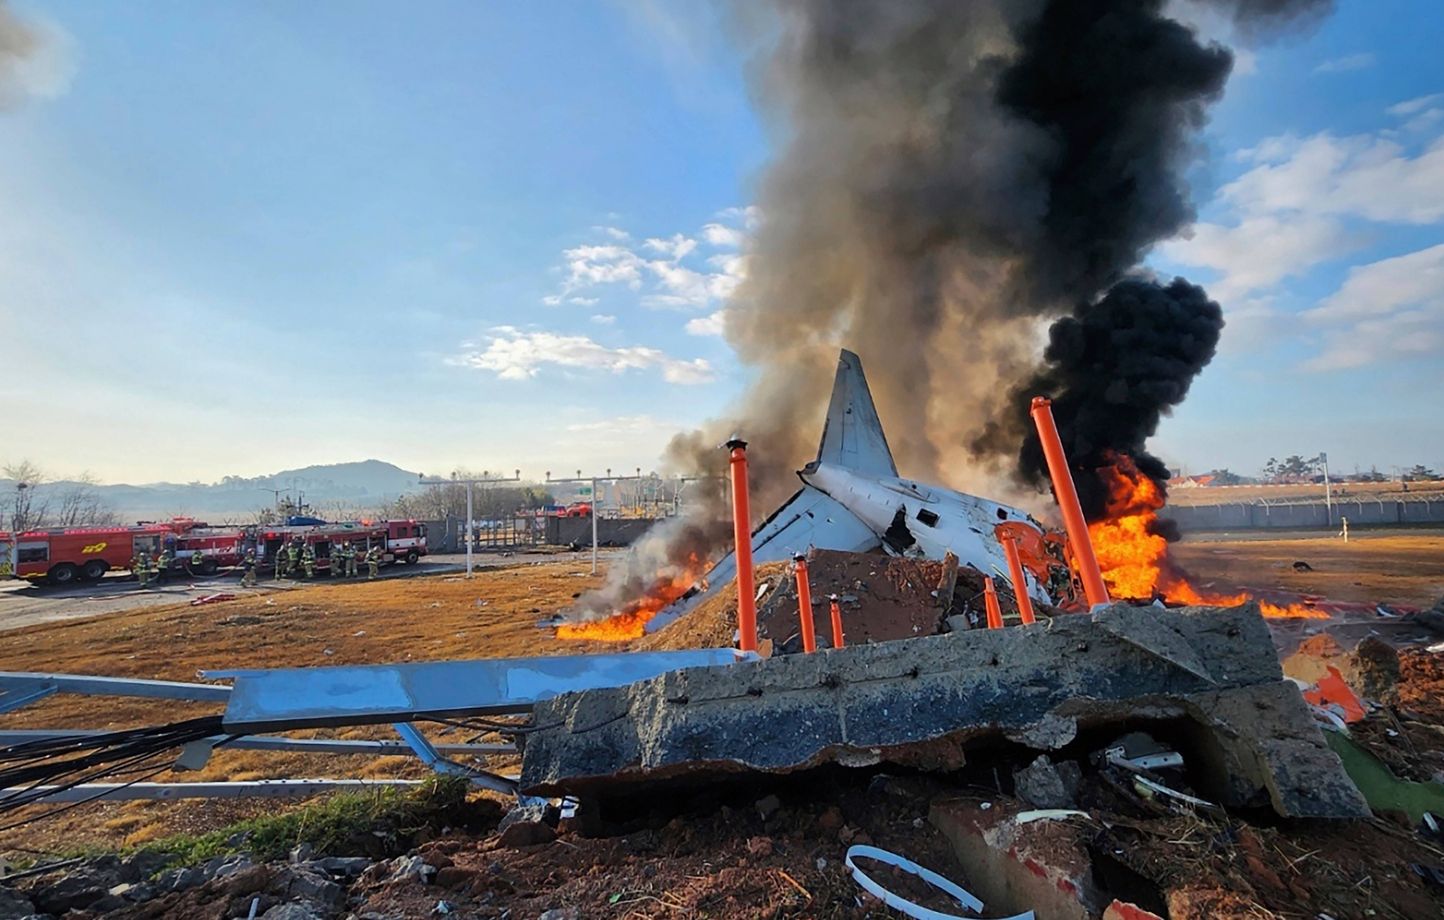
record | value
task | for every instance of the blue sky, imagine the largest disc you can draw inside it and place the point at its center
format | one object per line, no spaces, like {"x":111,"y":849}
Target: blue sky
{"x":250,"y":236}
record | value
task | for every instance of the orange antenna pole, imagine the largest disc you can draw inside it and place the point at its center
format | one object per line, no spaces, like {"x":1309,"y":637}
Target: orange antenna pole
{"x":990,"y":603}
{"x":742,"y":533}
{"x":1067,"y":495}
{"x":1020,"y":582}
{"x":804,"y":603}
{"x":836,"y":612}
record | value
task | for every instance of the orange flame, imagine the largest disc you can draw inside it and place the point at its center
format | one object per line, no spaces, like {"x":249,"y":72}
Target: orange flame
{"x":1134,"y":557}
{"x":630,"y":622}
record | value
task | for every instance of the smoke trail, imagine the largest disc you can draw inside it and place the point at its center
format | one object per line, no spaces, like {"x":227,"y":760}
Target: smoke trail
{"x":950,"y":178}
{"x":33,"y":61}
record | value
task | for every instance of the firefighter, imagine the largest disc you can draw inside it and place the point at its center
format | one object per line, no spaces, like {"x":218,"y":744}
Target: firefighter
{"x":308,"y":560}
{"x":373,"y":561}
{"x":162,"y":566}
{"x":198,"y":561}
{"x":294,"y":559}
{"x":248,"y":569}
{"x":350,"y":553}
{"x":283,"y":560}
{"x":140,"y":565}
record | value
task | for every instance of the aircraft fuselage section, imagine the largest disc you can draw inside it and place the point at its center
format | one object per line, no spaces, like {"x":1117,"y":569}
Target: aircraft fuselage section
{"x":919,"y":519}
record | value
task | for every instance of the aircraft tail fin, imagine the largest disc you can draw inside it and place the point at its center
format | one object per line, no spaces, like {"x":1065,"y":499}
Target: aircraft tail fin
{"x":852,"y":436}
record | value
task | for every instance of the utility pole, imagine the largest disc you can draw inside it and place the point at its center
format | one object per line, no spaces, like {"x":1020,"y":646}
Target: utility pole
{"x":469,"y":483}
{"x":1328,"y":492}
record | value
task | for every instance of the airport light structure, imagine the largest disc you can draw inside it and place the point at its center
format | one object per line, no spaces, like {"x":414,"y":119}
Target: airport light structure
{"x":592,"y":485}
{"x":470,"y":483}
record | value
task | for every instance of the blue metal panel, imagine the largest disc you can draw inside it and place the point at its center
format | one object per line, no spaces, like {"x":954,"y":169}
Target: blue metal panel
{"x":281,"y":699}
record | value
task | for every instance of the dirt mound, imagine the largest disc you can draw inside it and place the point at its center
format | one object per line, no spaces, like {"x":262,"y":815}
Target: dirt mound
{"x":881,"y":598}
{"x":713,"y":624}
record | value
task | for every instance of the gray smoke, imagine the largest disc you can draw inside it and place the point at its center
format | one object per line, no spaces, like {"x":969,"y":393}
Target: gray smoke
{"x":951,"y":177}
{"x":28,"y":59}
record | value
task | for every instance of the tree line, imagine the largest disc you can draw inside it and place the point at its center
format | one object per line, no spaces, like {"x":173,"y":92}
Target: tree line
{"x":34,"y":501}
{"x":1297,"y":468}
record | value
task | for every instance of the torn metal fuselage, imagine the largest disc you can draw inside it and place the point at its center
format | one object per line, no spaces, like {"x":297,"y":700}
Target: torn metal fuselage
{"x":853,"y":500}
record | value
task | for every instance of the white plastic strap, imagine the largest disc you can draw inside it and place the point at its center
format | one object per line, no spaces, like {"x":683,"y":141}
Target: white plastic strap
{"x":898,"y":902}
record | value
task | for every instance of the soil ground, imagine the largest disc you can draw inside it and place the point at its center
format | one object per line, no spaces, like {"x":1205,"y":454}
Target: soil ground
{"x":493,"y":615}
{"x":1378,"y":566}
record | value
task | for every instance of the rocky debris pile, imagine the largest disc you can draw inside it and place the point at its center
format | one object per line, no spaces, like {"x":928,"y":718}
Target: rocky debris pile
{"x":935,"y":702}
{"x":881,"y":598}
{"x":713,"y":624}
{"x":778,"y":849}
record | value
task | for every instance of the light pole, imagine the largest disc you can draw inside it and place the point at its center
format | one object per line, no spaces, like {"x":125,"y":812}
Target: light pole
{"x":592,"y":483}
{"x":1328,"y":491}
{"x":469,"y":483}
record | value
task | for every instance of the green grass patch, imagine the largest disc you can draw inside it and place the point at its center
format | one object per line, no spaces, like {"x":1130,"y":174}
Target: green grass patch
{"x":378,"y":823}
{"x":1381,"y":788}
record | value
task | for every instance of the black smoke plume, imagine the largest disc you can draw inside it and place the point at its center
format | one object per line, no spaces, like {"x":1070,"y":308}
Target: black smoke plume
{"x":952,"y":176}
{"x":1113,"y":369}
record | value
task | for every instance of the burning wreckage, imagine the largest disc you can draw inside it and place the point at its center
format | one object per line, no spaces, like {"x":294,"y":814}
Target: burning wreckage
{"x":1186,"y":706}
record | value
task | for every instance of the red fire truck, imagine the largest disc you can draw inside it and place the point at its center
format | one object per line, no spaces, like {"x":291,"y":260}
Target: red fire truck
{"x":399,"y":541}
{"x":63,"y":556}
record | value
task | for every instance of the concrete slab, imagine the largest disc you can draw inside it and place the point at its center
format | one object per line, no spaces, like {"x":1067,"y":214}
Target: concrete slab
{"x":923,"y":702}
{"x":1041,"y":866}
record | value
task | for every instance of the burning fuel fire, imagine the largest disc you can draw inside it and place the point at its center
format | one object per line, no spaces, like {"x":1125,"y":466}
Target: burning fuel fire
{"x":1134,"y":555}
{"x":630,"y":621}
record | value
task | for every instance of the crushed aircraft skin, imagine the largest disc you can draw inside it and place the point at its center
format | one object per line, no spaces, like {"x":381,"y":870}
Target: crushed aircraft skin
{"x":853,"y":500}
{"x":1208,"y":676}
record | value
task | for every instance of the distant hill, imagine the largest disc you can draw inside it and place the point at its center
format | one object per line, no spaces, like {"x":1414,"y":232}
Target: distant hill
{"x":360,"y":486}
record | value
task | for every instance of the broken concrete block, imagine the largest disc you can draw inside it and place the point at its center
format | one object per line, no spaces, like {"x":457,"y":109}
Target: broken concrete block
{"x":923,"y":702}
{"x":1045,"y":784}
{"x":1042,"y":866}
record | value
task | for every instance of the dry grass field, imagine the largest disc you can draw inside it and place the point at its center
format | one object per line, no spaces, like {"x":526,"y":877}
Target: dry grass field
{"x":491,"y":615}
{"x":1394,"y":567}
{"x":1229,"y":494}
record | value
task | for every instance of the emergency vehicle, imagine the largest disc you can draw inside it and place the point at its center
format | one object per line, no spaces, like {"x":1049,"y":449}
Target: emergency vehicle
{"x":63,"y":556}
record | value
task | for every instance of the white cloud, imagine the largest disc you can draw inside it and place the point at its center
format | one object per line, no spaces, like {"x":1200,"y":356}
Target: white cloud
{"x":1368,"y":177}
{"x":1259,"y":251}
{"x":603,"y":319}
{"x":671,"y":274}
{"x":1414,"y":106}
{"x":516,"y":355}
{"x":1349,"y":62}
{"x":711,"y":324}
{"x":1385,"y":286}
{"x":674,"y":247}
{"x":722,"y":235}
{"x":1305,"y":201}
{"x":616,"y":233}
{"x":588,"y":265}
{"x":1392,"y":309}
{"x":749,"y":217}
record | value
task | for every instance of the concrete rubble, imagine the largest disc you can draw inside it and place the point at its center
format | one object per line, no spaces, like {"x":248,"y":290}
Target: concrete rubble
{"x":1208,"y":675}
